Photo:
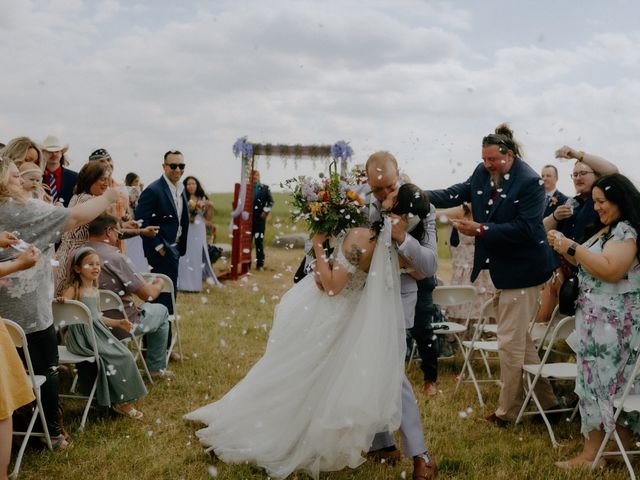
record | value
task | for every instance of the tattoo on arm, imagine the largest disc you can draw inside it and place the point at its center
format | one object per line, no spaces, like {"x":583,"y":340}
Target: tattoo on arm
{"x":354,"y":255}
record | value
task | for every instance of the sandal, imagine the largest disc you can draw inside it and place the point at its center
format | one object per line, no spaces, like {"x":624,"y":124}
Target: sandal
{"x":59,"y":442}
{"x":131,"y":412}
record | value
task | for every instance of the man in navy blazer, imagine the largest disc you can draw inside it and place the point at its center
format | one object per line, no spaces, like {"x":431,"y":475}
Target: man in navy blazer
{"x":59,"y":179}
{"x":553,"y":197}
{"x":507,"y":201}
{"x":164,"y":204}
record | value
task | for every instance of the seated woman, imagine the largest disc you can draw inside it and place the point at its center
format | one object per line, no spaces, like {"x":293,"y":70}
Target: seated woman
{"x":119,"y":381}
{"x":607,"y":311}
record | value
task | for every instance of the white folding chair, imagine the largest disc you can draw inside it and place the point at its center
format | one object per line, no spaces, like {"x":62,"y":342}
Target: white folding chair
{"x":483,"y":347}
{"x":540,"y":331}
{"x":628,"y":402}
{"x":550,"y":371}
{"x":72,"y":312}
{"x":20,"y":341}
{"x":111,"y":301}
{"x":450,"y":296}
{"x":169,"y":287}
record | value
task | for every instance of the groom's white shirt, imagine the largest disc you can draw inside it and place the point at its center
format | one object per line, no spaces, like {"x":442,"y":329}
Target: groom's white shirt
{"x":421,"y":255}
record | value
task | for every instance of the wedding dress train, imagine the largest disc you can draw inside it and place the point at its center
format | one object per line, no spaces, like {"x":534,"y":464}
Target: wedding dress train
{"x":330,"y":378}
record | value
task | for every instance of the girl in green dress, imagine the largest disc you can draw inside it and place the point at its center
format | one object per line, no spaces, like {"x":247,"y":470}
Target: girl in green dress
{"x":119,"y":381}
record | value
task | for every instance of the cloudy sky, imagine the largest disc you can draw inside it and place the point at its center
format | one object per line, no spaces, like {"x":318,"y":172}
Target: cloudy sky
{"x":425,"y":80}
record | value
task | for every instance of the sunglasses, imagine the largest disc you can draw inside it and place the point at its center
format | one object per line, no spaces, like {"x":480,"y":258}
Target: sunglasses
{"x":173,"y":166}
{"x":492,"y":139}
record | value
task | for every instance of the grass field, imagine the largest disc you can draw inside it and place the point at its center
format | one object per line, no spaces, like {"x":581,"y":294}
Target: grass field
{"x":224,"y":333}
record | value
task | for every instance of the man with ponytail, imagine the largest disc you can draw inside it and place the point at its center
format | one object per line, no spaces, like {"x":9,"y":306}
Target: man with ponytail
{"x":507,"y":202}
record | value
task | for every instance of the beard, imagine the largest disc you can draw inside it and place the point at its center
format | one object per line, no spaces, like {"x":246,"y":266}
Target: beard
{"x":496,"y":179}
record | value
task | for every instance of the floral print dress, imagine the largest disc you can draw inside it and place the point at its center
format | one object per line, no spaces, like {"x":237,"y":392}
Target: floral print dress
{"x":608,"y":326}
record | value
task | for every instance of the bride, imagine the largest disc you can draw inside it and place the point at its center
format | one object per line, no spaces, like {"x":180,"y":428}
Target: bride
{"x":331,"y":376}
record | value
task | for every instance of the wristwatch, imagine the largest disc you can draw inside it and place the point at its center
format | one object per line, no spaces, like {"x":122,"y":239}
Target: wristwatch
{"x":571,"y":251}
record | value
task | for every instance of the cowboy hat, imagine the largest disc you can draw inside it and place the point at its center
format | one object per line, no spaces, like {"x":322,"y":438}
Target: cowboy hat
{"x":53,"y":144}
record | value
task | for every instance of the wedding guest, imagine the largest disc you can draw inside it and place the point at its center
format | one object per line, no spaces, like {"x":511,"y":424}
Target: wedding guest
{"x":262,"y":203}
{"x":26,"y":296}
{"x":94,"y":179}
{"x":133,"y":245}
{"x":576,"y":219}
{"x":417,"y":249}
{"x":118,"y":275}
{"x":57,"y":176}
{"x":119,"y":381}
{"x":21,"y":150}
{"x":15,"y":389}
{"x":506,"y":205}
{"x":195,"y":265}
{"x":553,"y":197}
{"x":31,"y":176}
{"x":607,"y":312}
{"x":164,"y":204}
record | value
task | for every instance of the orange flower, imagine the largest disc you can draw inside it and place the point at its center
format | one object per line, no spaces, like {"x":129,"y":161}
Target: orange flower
{"x":351,"y":195}
{"x":315,"y":208}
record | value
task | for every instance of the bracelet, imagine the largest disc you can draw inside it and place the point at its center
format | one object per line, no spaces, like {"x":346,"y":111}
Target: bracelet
{"x":580,"y":157}
{"x":553,"y":214}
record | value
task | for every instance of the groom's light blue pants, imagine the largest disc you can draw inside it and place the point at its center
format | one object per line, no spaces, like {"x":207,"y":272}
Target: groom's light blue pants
{"x":411,"y":432}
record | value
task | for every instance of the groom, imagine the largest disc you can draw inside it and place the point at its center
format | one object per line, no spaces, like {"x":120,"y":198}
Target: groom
{"x":383,"y":178}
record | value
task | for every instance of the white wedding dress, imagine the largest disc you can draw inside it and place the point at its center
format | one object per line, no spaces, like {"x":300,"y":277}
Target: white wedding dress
{"x":330,"y":378}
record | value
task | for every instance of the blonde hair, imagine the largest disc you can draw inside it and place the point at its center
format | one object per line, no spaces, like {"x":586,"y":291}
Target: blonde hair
{"x":17,"y":149}
{"x":8,"y":192}
{"x":75,"y":279}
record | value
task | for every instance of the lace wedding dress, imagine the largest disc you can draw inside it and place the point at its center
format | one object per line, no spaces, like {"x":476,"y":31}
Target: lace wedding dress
{"x":330,"y":378}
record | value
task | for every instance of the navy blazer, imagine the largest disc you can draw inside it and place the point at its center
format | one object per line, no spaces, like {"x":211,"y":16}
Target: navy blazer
{"x":263,"y":200}
{"x":68,"y":181}
{"x":156,"y":207}
{"x":514,"y":244}
{"x":551,"y":205}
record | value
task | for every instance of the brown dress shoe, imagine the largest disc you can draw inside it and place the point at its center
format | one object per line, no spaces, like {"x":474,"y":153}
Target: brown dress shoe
{"x":423,"y":469}
{"x":390,"y":457}
{"x":496,"y":420}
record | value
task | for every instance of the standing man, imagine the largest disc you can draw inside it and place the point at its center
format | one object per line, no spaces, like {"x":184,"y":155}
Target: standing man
{"x":553,"y":198}
{"x":383,"y":178}
{"x":164,"y":204}
{"x":262,"y":203}
{"x":507,"y":198}
{"x":59,"y":179}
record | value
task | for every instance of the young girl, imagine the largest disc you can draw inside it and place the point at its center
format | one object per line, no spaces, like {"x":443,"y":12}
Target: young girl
{"x":119,"y":381}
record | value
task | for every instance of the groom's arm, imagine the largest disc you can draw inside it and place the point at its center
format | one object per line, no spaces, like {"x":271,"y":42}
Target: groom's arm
{"x":422,"y":255}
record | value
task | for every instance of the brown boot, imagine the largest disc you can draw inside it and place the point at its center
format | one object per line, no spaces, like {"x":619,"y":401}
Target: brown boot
{"x":430,"y":389}
{"x":424,"y":467}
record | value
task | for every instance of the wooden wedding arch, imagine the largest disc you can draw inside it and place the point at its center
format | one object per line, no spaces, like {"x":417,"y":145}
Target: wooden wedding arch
{"x":241,"y":242}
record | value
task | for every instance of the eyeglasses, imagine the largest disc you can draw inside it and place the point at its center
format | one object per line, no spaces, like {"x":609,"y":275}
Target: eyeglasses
{"x":582,"y":173}
{"x":173,"y":166}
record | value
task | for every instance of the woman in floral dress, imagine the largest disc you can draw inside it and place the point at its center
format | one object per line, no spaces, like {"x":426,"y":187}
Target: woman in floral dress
{"x":607,"y":312}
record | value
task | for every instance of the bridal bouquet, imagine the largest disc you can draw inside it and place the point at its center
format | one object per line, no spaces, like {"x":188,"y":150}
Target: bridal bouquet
{"x":327,"y":204}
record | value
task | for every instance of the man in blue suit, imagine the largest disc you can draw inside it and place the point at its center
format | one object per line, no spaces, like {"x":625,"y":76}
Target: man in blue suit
{"x":164,"y":204}
{"x":507,"y":201}
{"x":59,"y":179}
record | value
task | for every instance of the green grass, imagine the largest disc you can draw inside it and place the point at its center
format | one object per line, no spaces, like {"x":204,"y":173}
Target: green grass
{"x":225,"y":332}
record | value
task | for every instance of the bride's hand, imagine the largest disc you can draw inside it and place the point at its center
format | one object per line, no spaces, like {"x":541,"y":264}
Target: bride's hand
{"x":319,"y":238}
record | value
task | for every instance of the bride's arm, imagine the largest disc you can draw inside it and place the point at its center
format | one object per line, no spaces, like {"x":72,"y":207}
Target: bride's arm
{"x":333,"y":279}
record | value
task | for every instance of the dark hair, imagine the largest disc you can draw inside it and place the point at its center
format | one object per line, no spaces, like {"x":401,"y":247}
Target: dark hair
{"x":100,"y":224}
{"x":89,"y":174}
{"x":551,"y":166}
{"x":199,"y":190}
{"x":503,"y":138}
{"x":130,"y":178}
{"x":172,"y":152}
{"x":619,"y":190}
{"x":410,"y":200}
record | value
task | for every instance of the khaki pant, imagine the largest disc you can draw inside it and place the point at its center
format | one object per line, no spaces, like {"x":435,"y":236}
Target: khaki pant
{"x":515,"y":310}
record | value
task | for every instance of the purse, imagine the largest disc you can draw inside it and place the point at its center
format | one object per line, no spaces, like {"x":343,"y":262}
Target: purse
{"x":568,"y":295}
